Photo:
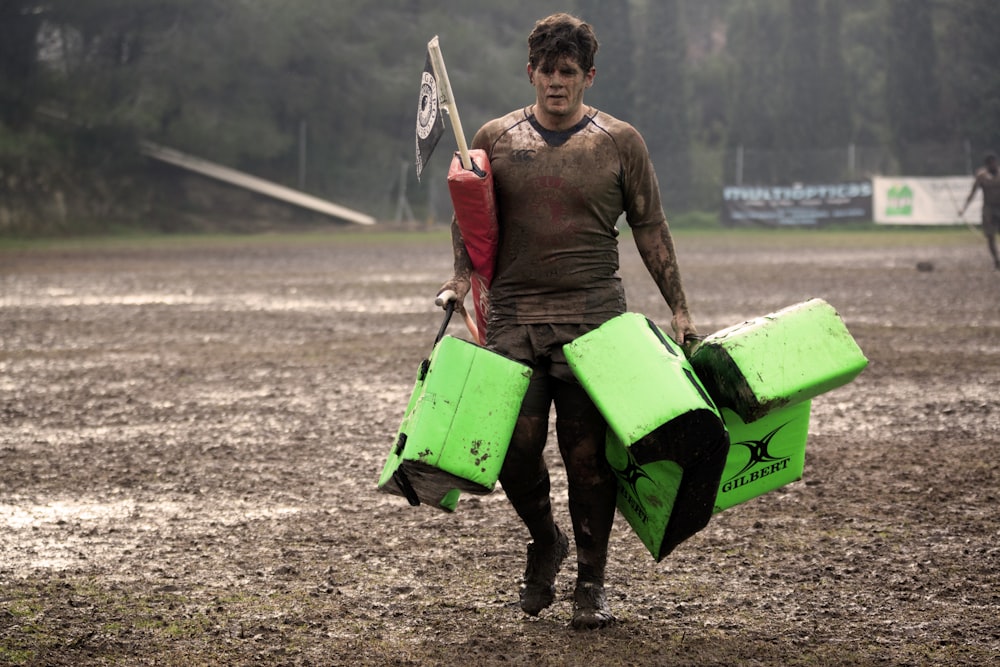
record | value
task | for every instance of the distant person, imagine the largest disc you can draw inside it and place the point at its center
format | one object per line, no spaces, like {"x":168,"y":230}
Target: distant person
{"x":988,"y":180}
{"x":563,"y":173}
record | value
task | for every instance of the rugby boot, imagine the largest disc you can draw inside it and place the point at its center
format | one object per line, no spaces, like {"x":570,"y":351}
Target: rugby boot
{"x":590,"y":607}
{"x":538,"y":589}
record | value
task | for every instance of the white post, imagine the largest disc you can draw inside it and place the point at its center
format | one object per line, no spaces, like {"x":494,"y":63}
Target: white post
{"x":402,"y":203}
{"x":448,"y":100}
{"x":302,"y":155}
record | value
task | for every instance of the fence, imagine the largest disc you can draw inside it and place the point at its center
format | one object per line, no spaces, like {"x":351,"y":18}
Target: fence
{"x":695,"y":182}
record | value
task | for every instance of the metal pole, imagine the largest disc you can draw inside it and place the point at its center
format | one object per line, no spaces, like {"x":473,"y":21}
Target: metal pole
{"x":431,"y":206}
{"x":401,"y":203}
{"x":739,"y":165}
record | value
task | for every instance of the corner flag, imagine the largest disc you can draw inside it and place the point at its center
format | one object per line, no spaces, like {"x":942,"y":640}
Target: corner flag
{"x":430,"y":123}
{"x":470,"y":185}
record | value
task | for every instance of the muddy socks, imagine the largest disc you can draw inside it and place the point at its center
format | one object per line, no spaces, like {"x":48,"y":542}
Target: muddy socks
{"x":534,"y":506}
{"x":592,"y":508}
{"x":592,"y":523}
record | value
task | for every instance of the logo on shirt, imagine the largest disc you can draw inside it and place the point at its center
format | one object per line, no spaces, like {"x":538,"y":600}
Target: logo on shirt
{"x":522,"y":155}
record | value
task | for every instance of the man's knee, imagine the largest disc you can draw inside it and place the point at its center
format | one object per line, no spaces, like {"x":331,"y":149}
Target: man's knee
{"x":524,"y":454}
{"x":582,"y":443}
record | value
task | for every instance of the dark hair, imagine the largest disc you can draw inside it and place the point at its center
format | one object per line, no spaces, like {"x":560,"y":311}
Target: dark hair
{"x":561,"y":35}
{"x":989,"y":156}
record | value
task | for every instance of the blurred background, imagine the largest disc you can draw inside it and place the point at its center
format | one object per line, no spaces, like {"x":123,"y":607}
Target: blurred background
{"x":321,"y":95}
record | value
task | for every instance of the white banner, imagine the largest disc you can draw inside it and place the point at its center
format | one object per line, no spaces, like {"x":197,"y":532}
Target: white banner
{"x":911,"y":200}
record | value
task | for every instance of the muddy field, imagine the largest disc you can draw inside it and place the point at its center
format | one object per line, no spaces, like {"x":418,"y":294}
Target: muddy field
{"x":191,"y":431}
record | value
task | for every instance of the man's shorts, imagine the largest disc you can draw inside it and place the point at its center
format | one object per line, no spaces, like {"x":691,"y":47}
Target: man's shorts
{"x":991,"y":220}
{"x":540,"y":346}
{"x":537,"y":345}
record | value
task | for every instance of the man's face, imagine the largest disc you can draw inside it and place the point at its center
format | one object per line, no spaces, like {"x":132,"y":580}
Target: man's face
{"x":559,"y":90}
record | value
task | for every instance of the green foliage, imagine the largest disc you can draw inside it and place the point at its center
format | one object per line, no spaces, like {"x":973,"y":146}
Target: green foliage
{"x":614,"y":90}
{"x":18,"y":65}
{"x":663,"y":97}
{"x":912,"y":91}
{"x":863,"y":50}
{"x":243,"y":82}
{"x":800,"y":70}
{"x":833,"y":114}
{"x":969,"y":75}
{"x":755,"y":107}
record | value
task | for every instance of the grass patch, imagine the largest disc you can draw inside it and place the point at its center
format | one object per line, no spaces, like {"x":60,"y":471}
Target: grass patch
{"x":839,"y":238}
{"x":693,"y":225}
{"x":153,"y":241}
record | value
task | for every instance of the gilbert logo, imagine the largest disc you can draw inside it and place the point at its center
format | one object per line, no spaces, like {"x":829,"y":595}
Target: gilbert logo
{"x":629,"y":477}
{"x":760,"y":459}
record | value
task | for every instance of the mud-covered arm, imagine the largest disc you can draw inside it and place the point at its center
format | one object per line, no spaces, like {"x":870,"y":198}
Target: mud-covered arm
{"x":972,"y":193}
{"x":460,"y":282}
{"x":656,"y":247}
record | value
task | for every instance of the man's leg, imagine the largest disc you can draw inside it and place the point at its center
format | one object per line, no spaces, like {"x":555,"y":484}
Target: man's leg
{"x":581,"y":431}
{"x":991,"y":226}
{"x":525,"y":479}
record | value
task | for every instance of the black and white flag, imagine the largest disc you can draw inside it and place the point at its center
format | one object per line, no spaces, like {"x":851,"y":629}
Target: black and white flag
{"x":430,"y":123}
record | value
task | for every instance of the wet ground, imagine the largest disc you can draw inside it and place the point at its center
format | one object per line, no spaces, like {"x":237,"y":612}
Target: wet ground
{"x":191,"y":431}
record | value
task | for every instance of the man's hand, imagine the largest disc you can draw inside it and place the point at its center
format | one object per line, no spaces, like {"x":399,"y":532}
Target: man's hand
{"x":460,"y":286}
{"x":683,"y":327}
{"x":454,"y":291}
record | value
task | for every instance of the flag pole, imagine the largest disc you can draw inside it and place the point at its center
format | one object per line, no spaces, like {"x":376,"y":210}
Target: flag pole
{"x":444,"y":91}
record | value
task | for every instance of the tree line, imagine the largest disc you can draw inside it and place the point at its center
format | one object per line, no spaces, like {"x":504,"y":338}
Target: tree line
{"x":321,"y":94}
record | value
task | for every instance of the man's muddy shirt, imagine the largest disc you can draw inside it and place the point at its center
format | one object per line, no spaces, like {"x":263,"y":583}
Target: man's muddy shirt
{"x":559,"y":196}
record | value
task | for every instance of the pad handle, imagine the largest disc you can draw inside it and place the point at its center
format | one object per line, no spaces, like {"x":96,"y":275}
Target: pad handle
{"x":447,"y":299}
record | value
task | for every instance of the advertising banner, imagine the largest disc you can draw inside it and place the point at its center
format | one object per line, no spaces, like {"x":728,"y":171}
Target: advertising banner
{"x":910,"y":200}
{"x":798,"y":204}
